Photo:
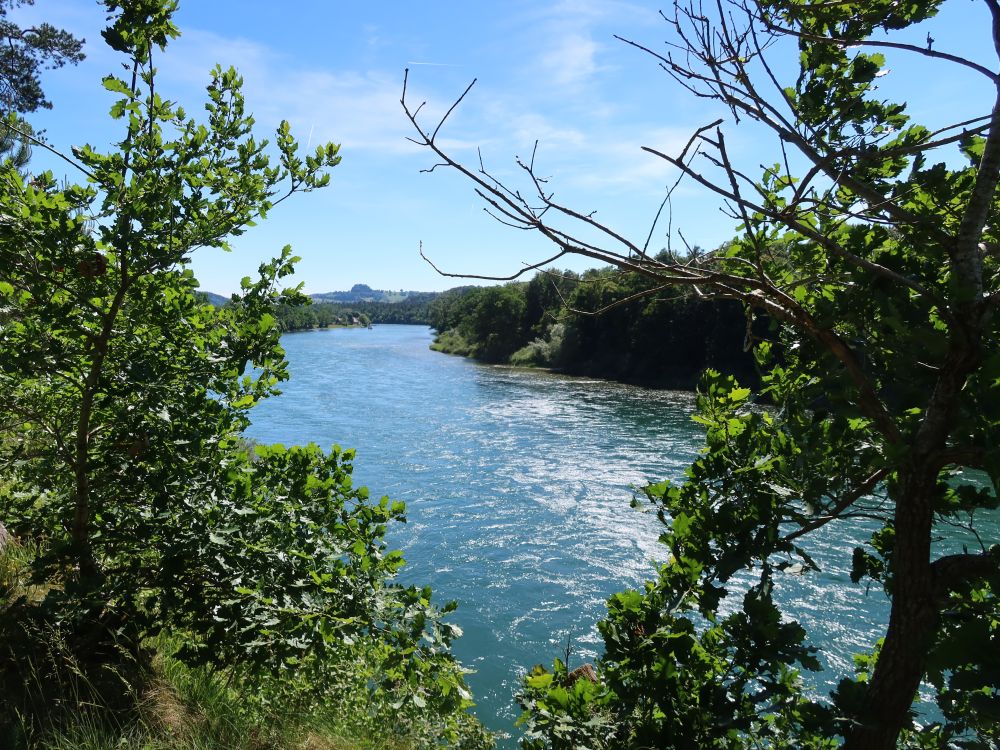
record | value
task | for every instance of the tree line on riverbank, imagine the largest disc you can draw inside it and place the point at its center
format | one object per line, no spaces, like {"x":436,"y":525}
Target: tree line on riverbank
{"x":412,"y":310}
{"x":600,"y":323}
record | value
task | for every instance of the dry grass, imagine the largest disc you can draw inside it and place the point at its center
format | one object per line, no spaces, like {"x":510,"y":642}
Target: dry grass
{"x":166,"y":713}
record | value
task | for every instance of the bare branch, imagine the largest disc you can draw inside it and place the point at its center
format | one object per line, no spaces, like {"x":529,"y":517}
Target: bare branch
{"x":29,"y":135}
{"x":839,"y":509}
{"x":431,"y":168}
{"x":805,"y":230}
{"x":452,"y":109}
{"x":512,"y":277}
{"x":994,"y":7}
{"x":752,"y":291}
{"x":623,"y":301}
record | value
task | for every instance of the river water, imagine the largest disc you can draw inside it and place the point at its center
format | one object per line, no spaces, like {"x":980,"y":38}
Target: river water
{"x":517,"y":485}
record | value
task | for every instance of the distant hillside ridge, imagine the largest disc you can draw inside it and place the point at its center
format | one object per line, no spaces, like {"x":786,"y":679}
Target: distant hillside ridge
{"x":357,"y":293}
{"x":217,"y":300}
{"x":364,"y":293}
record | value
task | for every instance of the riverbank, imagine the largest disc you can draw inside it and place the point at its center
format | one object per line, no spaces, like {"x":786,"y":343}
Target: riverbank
{"x":307,"y":329}
{"x":673,"y":375}
{"x":54,"y":695}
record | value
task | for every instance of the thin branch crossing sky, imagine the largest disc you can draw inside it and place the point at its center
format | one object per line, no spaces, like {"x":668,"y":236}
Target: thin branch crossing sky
{"x":547,"y":70}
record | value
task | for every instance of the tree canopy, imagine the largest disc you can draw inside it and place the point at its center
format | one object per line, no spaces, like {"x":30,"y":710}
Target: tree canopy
{"x":24,"y":53}
{"x":124,"y":471}
{"x":871,"y":241}
{"x":600,"y":323}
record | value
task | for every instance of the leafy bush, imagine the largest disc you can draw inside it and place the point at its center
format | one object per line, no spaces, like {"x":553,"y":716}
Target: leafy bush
{"x":452,"y":342}
{"x":542,"y":352}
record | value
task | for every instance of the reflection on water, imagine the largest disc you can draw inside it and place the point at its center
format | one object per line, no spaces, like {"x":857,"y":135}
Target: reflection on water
{"x":517,"y":485}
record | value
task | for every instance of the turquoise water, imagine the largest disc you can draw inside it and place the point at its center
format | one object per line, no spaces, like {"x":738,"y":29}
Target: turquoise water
{"x":517,"y":485}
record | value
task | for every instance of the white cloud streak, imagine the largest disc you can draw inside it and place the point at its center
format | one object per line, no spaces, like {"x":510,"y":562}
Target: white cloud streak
{"x":359,"y":110}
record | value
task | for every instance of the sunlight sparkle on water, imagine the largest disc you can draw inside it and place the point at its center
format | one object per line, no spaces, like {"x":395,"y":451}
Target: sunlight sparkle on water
{"x":518,"y":485}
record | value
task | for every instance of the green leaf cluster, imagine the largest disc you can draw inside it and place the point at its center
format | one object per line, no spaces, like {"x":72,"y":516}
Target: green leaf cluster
{"x":124,"y":398}
{"x":879,"y":409}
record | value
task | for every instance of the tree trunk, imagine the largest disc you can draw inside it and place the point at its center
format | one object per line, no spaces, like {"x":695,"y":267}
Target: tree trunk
{"x":912,"y":622}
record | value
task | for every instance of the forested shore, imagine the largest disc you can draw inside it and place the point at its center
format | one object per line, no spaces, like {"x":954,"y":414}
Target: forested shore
{"x":412,"y":310}
{"x":600,"y":323}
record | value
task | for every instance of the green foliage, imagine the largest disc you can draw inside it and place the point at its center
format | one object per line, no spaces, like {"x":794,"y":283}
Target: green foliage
{"x":452,"y":342}
{"x":175,"y":706}
{"x":880,"y":272}
{"x":313,"y":315}
{"x":24,"y":54}
{"x":412,"y":310}
{"x":124,"y":399}
{"x":542,"y":352}
{"x":565,"y":711}
{"x":15,"y":141}
{"x":652,"y":339}
{"x":487,"y":318}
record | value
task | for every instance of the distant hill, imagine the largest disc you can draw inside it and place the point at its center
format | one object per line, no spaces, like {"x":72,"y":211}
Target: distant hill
{"x":358,"y":293}
{"x":364,"y":293}
{"x":361,"y":306}
{"x":216,"y":299}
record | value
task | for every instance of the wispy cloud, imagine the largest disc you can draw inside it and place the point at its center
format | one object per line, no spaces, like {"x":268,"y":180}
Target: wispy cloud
{"x":571,"y":61}
{"x":358,"y":109}
{"x":624,"y":165}
{"x":570,"y":38}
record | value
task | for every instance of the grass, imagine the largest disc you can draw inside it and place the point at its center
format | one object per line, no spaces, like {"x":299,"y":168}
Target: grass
{"x":52,"y":699}
{"x":452,"y":342}
{"x":181,"y":708}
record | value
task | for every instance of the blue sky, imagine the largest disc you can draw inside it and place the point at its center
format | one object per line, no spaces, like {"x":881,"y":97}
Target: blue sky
{"x":547,"y":69}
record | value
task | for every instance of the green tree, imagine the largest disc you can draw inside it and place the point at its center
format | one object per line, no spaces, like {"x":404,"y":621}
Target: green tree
{"x":449,"y":308}
{"x":879,"y":266}
{"x":545,"y":297}
{"x":123,"y":399}
{"x":15,"y":142}
{"x":24,"y":53}
{"x":602,"y":324}
{"x":496,"y":321}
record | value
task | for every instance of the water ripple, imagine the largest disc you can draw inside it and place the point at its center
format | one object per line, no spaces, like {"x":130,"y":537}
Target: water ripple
{"x":517,"y":486}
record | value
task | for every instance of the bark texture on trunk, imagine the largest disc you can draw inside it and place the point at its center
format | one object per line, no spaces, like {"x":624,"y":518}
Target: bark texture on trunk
{"x":912,"y":622}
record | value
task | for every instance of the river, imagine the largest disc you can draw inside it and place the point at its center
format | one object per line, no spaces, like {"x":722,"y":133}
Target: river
{"x":517,"y":485}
